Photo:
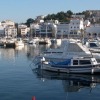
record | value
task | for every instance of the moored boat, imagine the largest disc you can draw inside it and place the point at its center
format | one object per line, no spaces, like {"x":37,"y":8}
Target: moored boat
{"x":35,"y":40}
{"x":93,"y":46}
{"x":9,"y":42}
{"x":73,"y":65}
{"x":19,"y":42}
{"x":45,"y":41}
{"x":68,"y":49}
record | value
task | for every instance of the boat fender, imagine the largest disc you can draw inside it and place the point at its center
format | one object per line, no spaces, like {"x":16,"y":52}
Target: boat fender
{"x":43,"y":59}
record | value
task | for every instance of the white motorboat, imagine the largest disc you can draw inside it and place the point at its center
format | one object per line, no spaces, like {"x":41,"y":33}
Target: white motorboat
{"x":68,"y":49}
{"x":45,"y":41}
{"x":93,"y":46}
{"x":9,"y":42}
{"x":74,"y":65}
{"x":19,"y":42}
{"x":34,"y":40}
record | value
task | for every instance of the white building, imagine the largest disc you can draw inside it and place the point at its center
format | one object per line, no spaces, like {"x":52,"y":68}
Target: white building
{"x":11,"y":31}
{"x":7,"y":23}
{"x":87,"y":23}
{"x":78,"y":16}
{"x":62,"y":29}
{"x":35,"y":29}
{"x":22,"y":30}
{"x":75,"y":26}
{"x":2,"y":31}
{"x":46,"y":30}
{"x":40,"y":19}
{"x":43,"y":29}
{"x":93,"y":31}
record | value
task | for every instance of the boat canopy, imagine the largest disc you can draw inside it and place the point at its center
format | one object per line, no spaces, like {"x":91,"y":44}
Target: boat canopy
{"x":66,"y":62}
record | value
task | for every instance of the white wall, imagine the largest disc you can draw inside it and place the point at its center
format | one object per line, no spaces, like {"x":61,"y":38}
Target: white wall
{"x":62,"y":29}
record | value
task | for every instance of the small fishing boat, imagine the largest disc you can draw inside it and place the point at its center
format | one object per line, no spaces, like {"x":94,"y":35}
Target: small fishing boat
{"x":72,"y":65}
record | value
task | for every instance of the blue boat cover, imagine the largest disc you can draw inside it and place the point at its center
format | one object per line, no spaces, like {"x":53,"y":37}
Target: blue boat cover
{"x":66,"y":62}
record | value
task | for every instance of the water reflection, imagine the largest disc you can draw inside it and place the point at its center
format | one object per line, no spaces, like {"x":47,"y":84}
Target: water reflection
{"x":30,"y":51}
{"x":70,"y":82}
{"x":34,"y":50}
{"x":19,"y":48}
{"x":12,"y":53}
{"x":7,"y":53}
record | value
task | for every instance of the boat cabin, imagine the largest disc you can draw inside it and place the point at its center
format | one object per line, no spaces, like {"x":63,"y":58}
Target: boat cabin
{"x":76,"y":61}
{"x":82,"y":61}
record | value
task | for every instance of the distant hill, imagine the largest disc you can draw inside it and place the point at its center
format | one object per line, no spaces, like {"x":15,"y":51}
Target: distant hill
{"x":65,"y":16}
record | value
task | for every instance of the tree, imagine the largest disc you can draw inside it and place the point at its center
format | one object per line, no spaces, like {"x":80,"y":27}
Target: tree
{"x":61,"y":16}
{"x":86,"y":13}
{"x":69,"y":13}
{"x":29,"y":21}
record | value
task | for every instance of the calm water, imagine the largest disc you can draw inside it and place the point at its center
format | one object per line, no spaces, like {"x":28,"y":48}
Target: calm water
{"x":19,"y":82}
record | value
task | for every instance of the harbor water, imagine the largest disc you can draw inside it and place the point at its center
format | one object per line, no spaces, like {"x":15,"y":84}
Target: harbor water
{"x":20,"y":80}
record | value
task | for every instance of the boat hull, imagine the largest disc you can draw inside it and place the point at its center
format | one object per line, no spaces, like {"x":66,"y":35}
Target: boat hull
{"x":9,"y":45}
{"x":91,"y":69}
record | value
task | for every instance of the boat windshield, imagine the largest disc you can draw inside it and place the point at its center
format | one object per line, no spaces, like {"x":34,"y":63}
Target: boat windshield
{"x":73,"y":47}
{"x":82,"y":62}
{"x":93,"y":45}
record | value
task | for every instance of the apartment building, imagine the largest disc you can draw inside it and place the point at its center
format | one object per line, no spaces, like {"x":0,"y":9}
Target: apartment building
{"x":11,"y":31}
{"x":93,"y":31}
{"x":76,"y":25}
{"x":22,"y":30}
{"x":7,"y":23}
{"x":62,"y":30}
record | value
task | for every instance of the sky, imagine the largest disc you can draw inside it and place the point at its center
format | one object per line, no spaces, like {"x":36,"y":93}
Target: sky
{"x":20,"y":10}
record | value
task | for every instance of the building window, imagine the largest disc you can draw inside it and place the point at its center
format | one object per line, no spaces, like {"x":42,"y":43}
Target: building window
{"x":95,"y":34}
{"x":75,"y":32}
{"x":71,"y":32}
{"x":93,"y":45}
{"x":59,"y":31}
{"x":89,"y":34}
